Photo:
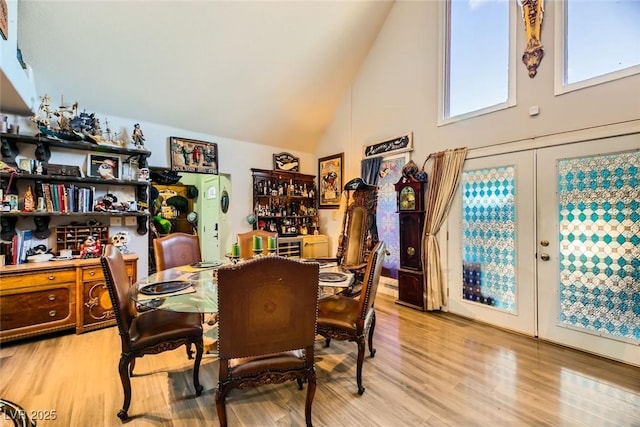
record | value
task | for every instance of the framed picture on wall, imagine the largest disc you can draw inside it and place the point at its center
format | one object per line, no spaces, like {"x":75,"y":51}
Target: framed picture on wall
{"x":190,"y":155}
{"x":330,"y":170}
{"x":100,"y":166}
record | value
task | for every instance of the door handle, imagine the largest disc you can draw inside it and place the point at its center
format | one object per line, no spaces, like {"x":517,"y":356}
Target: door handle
{"x":545,"y":257}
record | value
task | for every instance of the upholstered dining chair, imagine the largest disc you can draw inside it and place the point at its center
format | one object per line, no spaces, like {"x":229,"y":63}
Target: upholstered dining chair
{"x":350,"y":319}
{"x":245,"y":241}
{"x":359,"y":232}
{"x":149,"y":332}
{"x":176,"y":249}
{"x":267,"y":326}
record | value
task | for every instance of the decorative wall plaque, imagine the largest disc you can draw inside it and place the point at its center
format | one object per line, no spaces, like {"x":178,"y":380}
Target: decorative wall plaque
{"x":286,"y":162}
{"x":396,"y":145}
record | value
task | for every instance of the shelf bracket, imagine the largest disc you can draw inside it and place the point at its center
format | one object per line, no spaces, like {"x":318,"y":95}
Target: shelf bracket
{"x":9,"y":150}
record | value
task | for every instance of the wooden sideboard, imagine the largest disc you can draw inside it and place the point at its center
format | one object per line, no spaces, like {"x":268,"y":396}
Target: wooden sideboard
{"x":39,"y":298}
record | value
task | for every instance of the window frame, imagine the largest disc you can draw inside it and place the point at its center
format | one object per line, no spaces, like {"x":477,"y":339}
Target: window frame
{"x":561,"y":56}
{"x":443,"y":69}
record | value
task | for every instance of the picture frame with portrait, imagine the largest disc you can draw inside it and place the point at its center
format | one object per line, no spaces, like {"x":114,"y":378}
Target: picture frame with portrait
{"x":330,"y":177}
{"x":106,"y":167}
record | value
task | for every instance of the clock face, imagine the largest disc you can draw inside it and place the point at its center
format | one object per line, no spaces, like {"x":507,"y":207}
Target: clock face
{"x":407,"y":199}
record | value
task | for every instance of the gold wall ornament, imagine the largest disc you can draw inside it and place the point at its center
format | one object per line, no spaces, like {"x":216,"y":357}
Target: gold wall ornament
{"x":532,"y":11}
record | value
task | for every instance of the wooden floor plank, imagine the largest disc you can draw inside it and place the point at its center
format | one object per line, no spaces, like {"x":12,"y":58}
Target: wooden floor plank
{"x":430,"y":369}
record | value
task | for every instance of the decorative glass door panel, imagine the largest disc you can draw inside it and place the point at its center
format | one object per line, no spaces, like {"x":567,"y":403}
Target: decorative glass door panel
{"x":491,"y":243}
{"x":489,"y":237}
{"x":589,"y":246}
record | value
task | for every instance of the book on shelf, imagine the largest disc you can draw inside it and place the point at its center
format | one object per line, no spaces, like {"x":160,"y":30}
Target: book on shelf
{"x":25,"y":245}
{"x":48,"y":200}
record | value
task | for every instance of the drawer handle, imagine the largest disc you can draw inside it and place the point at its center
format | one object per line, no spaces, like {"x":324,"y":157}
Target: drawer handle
{"x":52,"y":297}
{"x":52,"y":313}
{"x":92,"y":273}
{"x":52,"y":277}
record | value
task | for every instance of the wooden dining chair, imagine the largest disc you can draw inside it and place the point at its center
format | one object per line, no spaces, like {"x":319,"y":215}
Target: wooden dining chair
{"x":245,"y":241}
{"x":176,"y":249}
{"x":348,"y":319}
{"x":149,"y":332}
{"x":267,"y":326}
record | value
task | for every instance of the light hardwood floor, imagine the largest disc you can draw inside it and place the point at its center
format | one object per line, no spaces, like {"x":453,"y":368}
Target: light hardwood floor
{"x":429,"y":370}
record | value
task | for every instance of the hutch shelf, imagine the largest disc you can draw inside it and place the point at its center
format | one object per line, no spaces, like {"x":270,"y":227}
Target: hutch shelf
{"x":285,"y":202}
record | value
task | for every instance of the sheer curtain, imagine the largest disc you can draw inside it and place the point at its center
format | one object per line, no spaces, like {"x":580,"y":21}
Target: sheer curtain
{"x":443,"y":182}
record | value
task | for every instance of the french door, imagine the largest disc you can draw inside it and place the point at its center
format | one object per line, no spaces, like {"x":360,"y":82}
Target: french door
{"x":547,"y":242}
{"x":588,"y":243}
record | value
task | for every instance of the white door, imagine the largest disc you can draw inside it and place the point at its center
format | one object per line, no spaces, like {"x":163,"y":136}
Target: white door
{"x":213,"y":216}
{"x":491,"y":243}
{"x":588,"y":243}
{"x":209,"y":223}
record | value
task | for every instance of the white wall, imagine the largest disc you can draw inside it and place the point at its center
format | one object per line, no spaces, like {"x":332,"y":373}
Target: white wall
{"x":396,"y":91}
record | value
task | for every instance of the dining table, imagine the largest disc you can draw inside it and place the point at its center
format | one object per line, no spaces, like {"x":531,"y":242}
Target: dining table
{"x":194,"y":289}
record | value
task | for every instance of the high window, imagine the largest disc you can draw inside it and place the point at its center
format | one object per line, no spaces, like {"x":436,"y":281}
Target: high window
{"x":478,"y":57}
{"x":599,"y":42}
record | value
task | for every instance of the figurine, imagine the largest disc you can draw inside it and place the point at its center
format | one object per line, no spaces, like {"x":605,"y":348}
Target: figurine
{"x":90,"y":248}
{"x":29,"y":201}
{"x":107,"y":203}
{"x":120,"y":241}
{"x":138,"y":136}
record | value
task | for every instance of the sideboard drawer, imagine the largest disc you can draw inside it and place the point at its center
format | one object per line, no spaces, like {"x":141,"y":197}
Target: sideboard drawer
{"x":34,"y":300}
{"x":55,"y":306}
{"x":96,"y":273}
{"x":52,"y":277}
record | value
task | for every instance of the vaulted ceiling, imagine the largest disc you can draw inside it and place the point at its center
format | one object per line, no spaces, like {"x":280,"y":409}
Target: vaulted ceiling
{"x":269,"y":72}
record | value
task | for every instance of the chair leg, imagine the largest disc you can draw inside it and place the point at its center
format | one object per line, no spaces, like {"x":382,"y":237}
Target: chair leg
{"x":327,"y":342}
{"x":132,"y":365}
{"x":311,"y":391}
{"x":372,"y":351}
{"x":360,"y":343}
{"x":221,"y":409}
{"x":299,"y":383}
{"x":196,"y":366}
{"x":123,"y":369}
{"x":189,"y":351}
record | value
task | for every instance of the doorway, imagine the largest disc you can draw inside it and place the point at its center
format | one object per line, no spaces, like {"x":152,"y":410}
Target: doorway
{"x":547,"y":242}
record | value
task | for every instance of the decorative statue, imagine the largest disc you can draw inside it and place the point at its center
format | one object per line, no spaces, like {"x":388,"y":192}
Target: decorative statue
{"x":90,"y":248}
{"x":120,"y":241}
{"x":138,"y":136}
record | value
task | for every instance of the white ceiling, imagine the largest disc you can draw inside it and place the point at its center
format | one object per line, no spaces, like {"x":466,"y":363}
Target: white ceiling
{"x":270,"y":72}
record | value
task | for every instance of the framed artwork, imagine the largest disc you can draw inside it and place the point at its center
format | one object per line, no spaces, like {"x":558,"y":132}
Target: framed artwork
{"x":101,"y":166}
{"x":190,"y":155}
{"x":286,"y":162}
{"x":330,"y":170}
{"x":393,"y":146}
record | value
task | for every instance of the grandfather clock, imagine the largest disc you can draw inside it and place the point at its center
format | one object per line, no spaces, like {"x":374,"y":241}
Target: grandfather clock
{"x":411,"y":204}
